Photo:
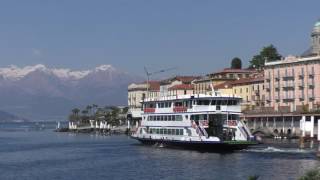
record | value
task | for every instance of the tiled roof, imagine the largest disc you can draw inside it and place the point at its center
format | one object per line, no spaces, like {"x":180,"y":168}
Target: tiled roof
{"x":230,"y":70}
{"x":243,"y":81}
{"x":154,"y":85}
{"x":182,"y":87}
{"x":224,"y":85}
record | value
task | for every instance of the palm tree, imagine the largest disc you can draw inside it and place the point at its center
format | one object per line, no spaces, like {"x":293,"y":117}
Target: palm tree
{"x":94,"y":107}
{"x":84,"y":117}
{"x":89,"y":109}
{"x":75,"y":115}
{"x":75,"y":111}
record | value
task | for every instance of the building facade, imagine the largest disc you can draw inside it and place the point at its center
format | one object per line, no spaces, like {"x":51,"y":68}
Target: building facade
{"x":137,"y":93}
{"x":291,"y":83}
{"x":165,"y":85}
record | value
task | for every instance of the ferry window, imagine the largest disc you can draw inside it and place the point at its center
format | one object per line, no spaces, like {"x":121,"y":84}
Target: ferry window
{"x":218,"y":102}
{"x":169,"y":131}
{"x":165,"y":131}
{"x":173,"y":132}
{"x":173,"y":118}
{"x":161,"y":118}
{"x":161,"y":131}
{"x":177,"y":131}
{"x":169,"y":118}
{"x":206,"y":102}
{"x":186,"y":116}
{"x":158,"y":131}
{"x":203,"y":117}
{"x":178,"y":118}
{"x":195,"y":117}
{"x":213,"y":102}
{"x":165,"y":118}
{"x":181,"y":132}
{"x":158,"y":118}
{"x":178,"y":104}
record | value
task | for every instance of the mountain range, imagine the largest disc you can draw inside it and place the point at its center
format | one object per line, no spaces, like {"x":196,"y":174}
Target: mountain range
{"x":39,"y":92}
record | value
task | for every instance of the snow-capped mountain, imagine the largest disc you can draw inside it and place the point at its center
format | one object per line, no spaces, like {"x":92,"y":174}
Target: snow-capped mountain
{"x":39,"y":91}
{"x":16,"y":73}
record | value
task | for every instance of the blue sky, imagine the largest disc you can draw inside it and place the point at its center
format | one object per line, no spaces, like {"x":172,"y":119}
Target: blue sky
{"x":196,"y":36}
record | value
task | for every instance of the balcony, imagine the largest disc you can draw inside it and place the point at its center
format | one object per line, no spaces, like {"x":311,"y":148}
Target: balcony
{"x":277,"y":77}
{"x":276,"y":86}
{"x":311,"y":84}
{"x":288,"y":85}
{"x":288,"y":75}
{"x":311,"y":96}
{"x":288,"y":98}
{"x":267,"y":86}
{"x":268,"y":99}
{"x":301,"y":75}
{"x":301,"y":84}
{"x":301,"y":97}
{"x":311,"y":74}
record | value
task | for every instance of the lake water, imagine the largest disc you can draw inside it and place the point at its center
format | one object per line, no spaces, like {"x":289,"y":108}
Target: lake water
{"x":34,"y":151}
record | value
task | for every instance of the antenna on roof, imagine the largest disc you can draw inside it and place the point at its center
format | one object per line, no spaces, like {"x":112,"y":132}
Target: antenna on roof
{"x":155,"y":72}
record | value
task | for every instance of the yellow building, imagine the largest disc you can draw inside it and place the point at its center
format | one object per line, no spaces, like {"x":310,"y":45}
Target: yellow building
{"x":251,"y":90}
{"x":202,"y":85}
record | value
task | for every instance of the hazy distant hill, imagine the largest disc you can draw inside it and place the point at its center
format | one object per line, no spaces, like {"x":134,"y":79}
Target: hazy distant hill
{"x":38,"y":92}
{"x":7,"y":117}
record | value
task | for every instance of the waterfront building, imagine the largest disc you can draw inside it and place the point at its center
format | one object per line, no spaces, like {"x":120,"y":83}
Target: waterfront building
{"x":177,"y":83}
{"x":202,"y":85}
{"x":251,"y":90}
{"x":137,"y":93}
{"x":291,"y":92}
{"x":291,"y":83}
{"x":181,"y":89}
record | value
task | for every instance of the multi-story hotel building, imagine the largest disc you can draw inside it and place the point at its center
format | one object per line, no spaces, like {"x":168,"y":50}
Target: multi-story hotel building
{"x":292,"y":83}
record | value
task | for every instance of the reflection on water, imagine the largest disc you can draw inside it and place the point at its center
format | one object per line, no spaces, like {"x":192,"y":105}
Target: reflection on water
{"x":30,"y":152}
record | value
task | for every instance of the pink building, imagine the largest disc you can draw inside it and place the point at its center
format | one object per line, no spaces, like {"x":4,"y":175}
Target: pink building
{"x":292,"y":83}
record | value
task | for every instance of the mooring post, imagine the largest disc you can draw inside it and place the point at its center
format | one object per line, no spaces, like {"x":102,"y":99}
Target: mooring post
{"x":318,"y":137}
{"x":312,"y":127}
{"x":302,"y":128}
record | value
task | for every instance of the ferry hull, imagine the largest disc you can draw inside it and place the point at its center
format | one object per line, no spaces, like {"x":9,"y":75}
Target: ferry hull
{"x":203,"y":146}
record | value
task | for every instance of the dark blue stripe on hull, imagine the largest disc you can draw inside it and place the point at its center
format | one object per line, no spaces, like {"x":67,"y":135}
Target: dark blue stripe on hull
{"x":199,"y":146}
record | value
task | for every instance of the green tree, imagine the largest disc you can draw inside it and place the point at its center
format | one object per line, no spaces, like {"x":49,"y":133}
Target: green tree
{"x":236,"y":63}
{"x":89,"y":109}
{"x":267,"y":54}
{"x":75,"y":115}
{"x":311,"y":175}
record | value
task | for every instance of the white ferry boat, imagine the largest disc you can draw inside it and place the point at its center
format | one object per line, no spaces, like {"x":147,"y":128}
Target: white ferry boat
{"x":201,"y":122}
